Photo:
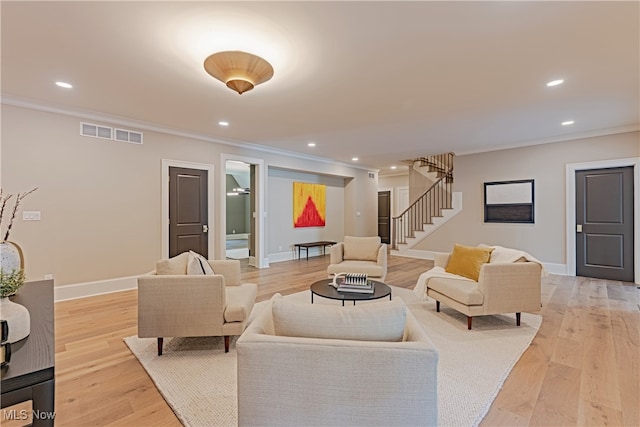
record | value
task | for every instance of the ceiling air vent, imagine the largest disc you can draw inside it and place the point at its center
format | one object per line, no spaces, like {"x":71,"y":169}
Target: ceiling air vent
{"x":128,"y":136}
{"x":96,"y":131}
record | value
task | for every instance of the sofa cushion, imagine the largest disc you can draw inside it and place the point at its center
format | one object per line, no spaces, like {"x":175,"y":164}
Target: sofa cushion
{"x":369,"y":268}
{"x":466,"y":261}
{"x":175,"y":265}
{"x":460,"y":289}
{"x":382,"y":321}
{"x":361,"y":248}
{"x":198,"y":265}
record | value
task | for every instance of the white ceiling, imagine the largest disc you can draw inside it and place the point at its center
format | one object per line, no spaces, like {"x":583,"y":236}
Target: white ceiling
{"x":383,"y":81}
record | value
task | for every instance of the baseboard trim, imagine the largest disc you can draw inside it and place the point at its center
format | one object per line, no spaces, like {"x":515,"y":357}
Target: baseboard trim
{"x":293,"y":255}
{"x":119,"y":284}
{"x":415,"y":253}
{"x":90,"y":289}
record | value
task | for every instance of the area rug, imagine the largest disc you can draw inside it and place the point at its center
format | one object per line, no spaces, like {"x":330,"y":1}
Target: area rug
{"x":198,"y":380}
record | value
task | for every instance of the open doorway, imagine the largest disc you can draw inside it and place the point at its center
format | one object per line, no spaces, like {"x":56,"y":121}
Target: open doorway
{"x":238,"y":209}
{"x":256,"y":195}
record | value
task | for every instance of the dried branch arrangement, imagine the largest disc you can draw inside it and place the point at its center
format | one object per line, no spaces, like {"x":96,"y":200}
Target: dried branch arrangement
{"x":4,"y":199}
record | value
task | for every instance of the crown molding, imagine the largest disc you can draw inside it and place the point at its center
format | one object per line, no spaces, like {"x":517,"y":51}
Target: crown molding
{"x":32,"y":104}
{"x":550,"y":140}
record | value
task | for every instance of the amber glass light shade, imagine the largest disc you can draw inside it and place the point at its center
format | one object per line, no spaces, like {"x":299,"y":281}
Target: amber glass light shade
{"x":240,"y":71}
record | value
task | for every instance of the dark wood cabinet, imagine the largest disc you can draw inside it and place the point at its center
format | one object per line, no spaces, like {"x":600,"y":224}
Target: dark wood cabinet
{"x":30,"y":374}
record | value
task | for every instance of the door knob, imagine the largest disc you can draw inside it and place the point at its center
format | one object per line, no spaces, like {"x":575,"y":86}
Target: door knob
{"x":205,"y":228}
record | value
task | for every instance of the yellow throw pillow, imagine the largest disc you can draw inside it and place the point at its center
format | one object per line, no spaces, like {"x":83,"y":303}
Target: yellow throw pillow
{"x":467,"y":260}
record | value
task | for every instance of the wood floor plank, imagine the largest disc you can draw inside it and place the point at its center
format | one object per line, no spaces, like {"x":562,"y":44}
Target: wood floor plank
{"x":581,"y":368}
{"x":557,"y":404}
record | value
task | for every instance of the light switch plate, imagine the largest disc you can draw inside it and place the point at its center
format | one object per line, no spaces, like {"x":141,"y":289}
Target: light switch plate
{"x":31,"y":215}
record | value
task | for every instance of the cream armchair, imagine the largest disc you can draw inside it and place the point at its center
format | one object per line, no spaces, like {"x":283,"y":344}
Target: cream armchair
{"x":506,"y":284}
{"x":359,"y":255}
{"x":174,"y":304}
{"x":324,"y":365}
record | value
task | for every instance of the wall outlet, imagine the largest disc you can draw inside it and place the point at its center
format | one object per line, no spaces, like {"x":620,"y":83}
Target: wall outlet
{"x":279,"y":247}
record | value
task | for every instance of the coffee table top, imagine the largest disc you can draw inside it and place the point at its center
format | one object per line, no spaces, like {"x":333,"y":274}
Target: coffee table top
{"x":324,"y":288}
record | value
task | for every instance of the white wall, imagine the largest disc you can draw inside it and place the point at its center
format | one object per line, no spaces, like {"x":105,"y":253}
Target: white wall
{"x":394,"y":183}
{"x":282,"y":235}
{"x":101,"y":200}
{"x":546,"y":164}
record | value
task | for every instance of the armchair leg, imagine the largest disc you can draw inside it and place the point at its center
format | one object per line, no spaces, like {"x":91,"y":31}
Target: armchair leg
{"x":226,"y":343}
{"x":438,"y":306}
{"x":160,"y":340}
{"x":518,"y":319}
{"x":469,"y":320}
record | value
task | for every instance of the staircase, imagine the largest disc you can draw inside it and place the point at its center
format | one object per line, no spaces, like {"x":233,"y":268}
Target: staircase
{"x":427,"y":212}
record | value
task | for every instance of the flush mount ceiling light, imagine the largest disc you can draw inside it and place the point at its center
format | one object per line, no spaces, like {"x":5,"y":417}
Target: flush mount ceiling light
{"x":240,"y":71}
{"x":555,"y":82}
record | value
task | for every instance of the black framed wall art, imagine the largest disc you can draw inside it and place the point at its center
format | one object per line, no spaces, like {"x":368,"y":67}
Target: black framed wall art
{"x":509,"y":201}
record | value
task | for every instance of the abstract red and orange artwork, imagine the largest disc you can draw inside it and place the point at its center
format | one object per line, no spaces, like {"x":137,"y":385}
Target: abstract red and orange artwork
{"x":309,"y":208}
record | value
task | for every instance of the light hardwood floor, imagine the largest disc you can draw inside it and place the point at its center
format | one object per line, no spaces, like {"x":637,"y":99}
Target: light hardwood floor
{"x":581,"y":369}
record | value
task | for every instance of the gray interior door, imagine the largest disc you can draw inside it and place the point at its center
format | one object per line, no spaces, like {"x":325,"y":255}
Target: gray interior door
{"x":604,"y":223}
{"x":384,"y":216}
{"x":188,"y":211}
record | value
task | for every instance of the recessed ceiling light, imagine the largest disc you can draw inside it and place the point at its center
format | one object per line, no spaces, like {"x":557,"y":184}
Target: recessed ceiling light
{"x":355,"y":159}
{"x":394,"y":167}
{"x":223,"y":123}
{"x":311,"y":144}
{"x":555,"y":82}
{"x":567,"y":123}
{"x":64,"y":85}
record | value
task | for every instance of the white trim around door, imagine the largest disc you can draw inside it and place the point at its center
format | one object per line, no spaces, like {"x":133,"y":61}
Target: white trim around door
{"x":258,"y":260}
{"x":571,"y":169}
{"x":166,"y":164}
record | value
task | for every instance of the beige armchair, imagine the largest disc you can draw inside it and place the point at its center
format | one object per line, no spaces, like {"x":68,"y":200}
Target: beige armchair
{"x":323,"y":365}
{"x":366,"y":255}
{"x":174,"y":304}
{"x":502,"y":287}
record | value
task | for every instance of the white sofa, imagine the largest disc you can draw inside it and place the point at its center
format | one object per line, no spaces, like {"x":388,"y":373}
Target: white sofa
{"x":172,"y":303}
{"x":510,"y":282}
{"x":366,"y":255}
{"x":324,"y":365}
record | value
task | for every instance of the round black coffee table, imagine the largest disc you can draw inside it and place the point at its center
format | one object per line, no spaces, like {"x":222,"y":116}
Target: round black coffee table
{"x":325,"y":289}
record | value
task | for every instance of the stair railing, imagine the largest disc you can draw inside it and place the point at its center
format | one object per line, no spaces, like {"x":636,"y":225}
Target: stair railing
{"x":429,"y":204}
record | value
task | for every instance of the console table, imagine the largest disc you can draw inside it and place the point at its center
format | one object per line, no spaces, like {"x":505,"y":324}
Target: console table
{"x":30,"y":374}
{"x":306,"y":246}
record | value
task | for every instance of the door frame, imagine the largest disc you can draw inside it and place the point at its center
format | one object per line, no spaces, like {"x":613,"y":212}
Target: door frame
{"x":570,"y":227}
{"x":259,"y":259}
{"x":166,"y":164}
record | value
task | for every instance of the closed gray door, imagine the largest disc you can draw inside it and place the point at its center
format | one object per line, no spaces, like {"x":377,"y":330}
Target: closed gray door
{"x":604,"y":223}
{"x":188,"y":211}
{"x":384,"y":216}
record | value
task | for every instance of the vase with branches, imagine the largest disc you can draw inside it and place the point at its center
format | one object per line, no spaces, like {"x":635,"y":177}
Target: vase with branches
{"x":11,"y":268}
